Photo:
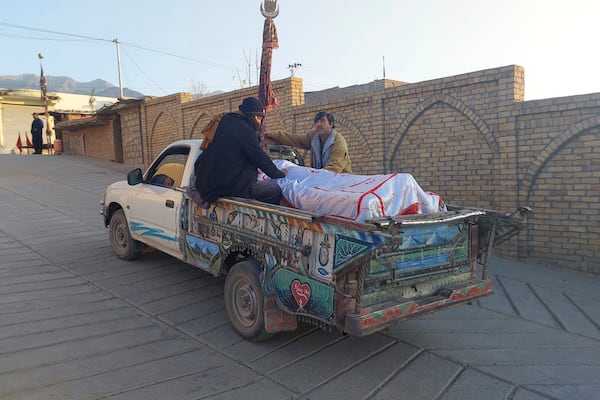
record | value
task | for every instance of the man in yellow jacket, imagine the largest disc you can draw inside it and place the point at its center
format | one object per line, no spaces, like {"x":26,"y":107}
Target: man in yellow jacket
{"x":329,"y":149}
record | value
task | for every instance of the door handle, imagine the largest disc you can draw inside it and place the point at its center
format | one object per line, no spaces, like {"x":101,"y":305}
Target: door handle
{"x":170,"y":203}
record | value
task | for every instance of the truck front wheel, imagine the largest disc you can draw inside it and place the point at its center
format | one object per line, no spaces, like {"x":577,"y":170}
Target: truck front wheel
{"x":120,"y":238}
{"x":244,"y":301}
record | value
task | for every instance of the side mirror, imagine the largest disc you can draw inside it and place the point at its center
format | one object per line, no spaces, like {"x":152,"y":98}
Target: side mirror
{"x":134,"y":177}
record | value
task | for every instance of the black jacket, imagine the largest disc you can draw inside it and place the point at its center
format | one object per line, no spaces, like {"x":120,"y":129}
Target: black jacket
{"x":37,"y":126}
{"x":228,"y":166}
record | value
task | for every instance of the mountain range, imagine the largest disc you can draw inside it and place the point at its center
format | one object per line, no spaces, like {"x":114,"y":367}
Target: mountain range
{"x":64,"y":84}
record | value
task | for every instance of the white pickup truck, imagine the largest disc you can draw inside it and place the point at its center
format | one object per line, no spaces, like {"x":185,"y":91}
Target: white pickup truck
{"x":282,"y":264}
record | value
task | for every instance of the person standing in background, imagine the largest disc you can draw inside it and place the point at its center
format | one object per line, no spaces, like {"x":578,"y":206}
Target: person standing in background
{"x":37,"y":127}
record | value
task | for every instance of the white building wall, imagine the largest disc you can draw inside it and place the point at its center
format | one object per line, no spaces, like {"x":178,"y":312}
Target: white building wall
{"x":15,"y":116}
{"x":17,"y":119}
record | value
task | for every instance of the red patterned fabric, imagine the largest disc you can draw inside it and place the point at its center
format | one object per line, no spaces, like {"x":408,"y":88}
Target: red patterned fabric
{"x":265,"y":90}
{"x":43,"y":86}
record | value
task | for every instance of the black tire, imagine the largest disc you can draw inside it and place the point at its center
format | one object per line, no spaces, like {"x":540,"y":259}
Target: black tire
{"x":244,"y":301}
{"x":120,"y":238}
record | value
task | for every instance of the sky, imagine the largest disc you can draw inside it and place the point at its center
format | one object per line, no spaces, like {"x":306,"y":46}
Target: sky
{"x":198,"y":45}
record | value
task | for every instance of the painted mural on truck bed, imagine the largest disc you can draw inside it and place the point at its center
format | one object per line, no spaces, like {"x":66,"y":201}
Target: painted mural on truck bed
{"x":303,"y":256}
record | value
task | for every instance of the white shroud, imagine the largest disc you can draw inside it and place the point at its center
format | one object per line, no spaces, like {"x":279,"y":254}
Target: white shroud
{"x":355,"y":197}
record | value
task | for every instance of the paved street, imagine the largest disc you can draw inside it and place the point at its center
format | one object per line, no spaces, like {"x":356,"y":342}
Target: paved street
{"x":78,"y":323}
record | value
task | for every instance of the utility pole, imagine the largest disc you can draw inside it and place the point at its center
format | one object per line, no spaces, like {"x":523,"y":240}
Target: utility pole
{"x":116,"y":41}
{"x":293,"y":67}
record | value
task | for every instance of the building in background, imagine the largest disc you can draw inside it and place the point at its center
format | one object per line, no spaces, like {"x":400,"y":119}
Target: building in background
{"x":17,"y":105}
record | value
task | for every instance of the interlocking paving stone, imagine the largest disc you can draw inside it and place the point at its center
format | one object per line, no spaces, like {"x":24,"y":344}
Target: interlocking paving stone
{"x":76,"y":322}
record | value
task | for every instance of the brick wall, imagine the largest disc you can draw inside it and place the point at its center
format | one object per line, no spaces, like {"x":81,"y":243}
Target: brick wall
{"x":558,"y":160}
{"x":470,"y":138}
{"x":132,"y":137}
{"x":91,"y":141}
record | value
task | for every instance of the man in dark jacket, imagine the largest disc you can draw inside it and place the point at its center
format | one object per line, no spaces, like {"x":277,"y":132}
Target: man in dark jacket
{"x":37,"y":126}
{"x":227,"y":166}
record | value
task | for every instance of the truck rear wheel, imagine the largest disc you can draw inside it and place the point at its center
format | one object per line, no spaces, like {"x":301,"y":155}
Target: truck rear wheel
{"x":244,"y":301}
{"x":120,"y":238}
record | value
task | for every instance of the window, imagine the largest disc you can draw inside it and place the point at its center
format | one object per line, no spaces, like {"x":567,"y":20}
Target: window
{"x":168,"y":169}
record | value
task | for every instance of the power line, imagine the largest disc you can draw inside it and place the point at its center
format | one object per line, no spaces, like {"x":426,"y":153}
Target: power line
{"x":214,"y":64}
{"x":146,"y":75}
{"x":182,"y":57}
{"x":82,"y":38}
{"x":40,"y":38}
{"x":29,"y":28}
{"x":117,"y":42}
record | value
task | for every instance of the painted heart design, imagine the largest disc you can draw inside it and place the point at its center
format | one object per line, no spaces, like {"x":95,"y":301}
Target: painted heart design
{"x":301,"y":292}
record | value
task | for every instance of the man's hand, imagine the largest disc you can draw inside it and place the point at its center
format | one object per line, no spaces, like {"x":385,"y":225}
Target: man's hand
{"x":268,"y":138}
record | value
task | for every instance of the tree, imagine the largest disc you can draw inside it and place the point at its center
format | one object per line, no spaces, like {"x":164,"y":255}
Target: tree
{"x":246,"y":81}
{"x":198,"y":89}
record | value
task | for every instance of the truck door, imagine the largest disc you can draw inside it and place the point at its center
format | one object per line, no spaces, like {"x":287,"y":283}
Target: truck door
{"x":156,"y":205}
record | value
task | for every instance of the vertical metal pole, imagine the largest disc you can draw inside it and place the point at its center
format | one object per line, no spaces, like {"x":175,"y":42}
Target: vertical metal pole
{"x":116,"y":41}
{"x":48,"y":132}
{"x":46,"y":114}
{"x":488,"y":253}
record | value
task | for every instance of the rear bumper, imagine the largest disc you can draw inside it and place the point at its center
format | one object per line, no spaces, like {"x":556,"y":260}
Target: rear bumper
{"x":380,"y":316}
